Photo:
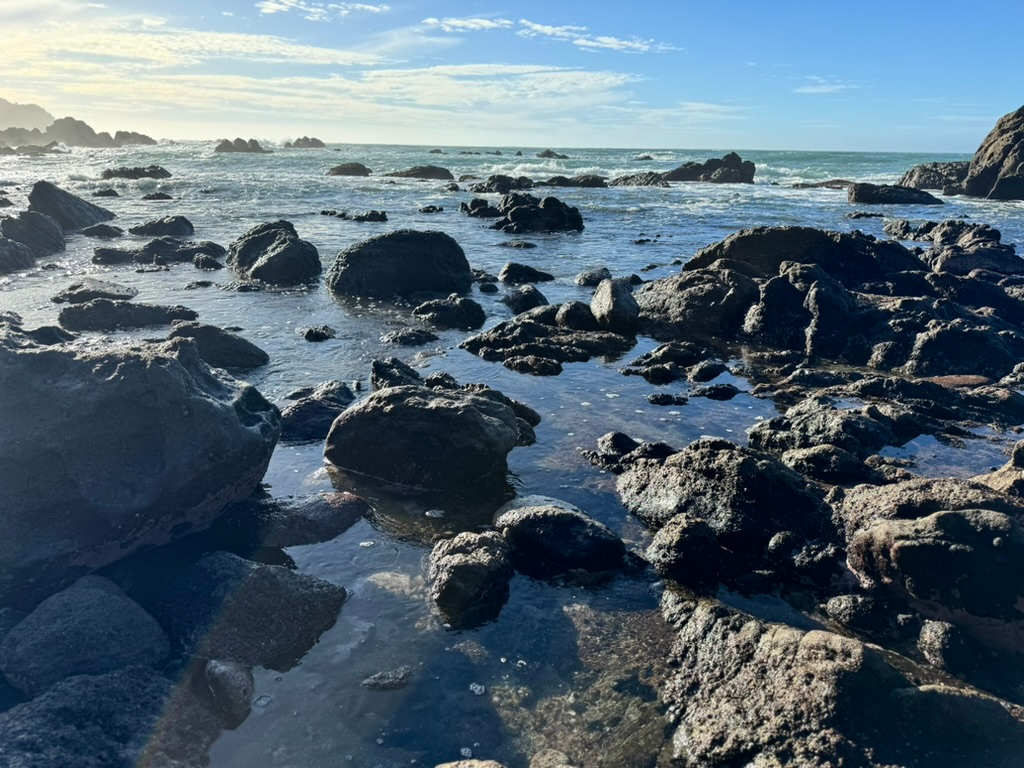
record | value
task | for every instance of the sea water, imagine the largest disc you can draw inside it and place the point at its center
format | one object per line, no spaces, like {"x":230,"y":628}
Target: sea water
{"x":565,"y":666}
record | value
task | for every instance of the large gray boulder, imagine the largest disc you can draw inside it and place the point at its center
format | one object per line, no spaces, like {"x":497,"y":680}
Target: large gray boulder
{"x":68,"y":210}
{"x":997,"y":168}
{"x":167,"y":226}
{"x":423,"y":439}
{"x":90,"y":628}
{"x":614,"y":308}
{"x":401,"y":263}
{"x":273,"y":253}
{"x":113,"y":447}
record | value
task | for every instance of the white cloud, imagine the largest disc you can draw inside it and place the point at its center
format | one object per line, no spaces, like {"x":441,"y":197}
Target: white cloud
{"x":467,"y":25}
{"x":578,"y":36}
{"x":318,"y":11}
{"x":531,"y":29}
{"x":818,"y":84}
{"x":615,"y":44}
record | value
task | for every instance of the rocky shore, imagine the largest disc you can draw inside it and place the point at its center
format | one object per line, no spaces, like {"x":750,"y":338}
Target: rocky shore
{"x":808,"y":598}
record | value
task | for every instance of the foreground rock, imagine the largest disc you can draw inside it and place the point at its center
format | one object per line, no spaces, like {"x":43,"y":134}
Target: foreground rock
{"x":68,"y":210}
{"x":108,"y":315}
{"x":883,"y":194}
{"x":996,"y":169}
{"x":521,"y":212}
{"x":550,"y":539}
{"x":427,"y":440}
{"x":273,"y":253}
{"x":174,"y":446}
{"x":469,"y":577}
{"x":401,"y":263}
{"x":453,"y":312}
{"x":220,"y":348}
{"x":38,"y":232}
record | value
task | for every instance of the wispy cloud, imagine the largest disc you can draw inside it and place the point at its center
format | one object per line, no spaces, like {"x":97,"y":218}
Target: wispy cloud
{"x":816,"y":84}
{"x":579,"y":36}
{"x":468,"y":25}
{"x":531,"y":29}
{"x":318,"y":11}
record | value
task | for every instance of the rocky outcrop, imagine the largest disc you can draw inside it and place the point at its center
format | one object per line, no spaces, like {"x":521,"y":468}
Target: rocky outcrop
{"x":583,"y":181}
{"x":168,"y":226}
{"x":72,"y":133}
{"x":163,"y":250}
{"x":614,"y":308}
{"x":305,"y":142}
{"x":524,"y":298}
{"x":521,"y":213}
{"x":997,"y":168}
{"x":518,"y":274}
{"x":959,"y":247}
{"x":115,"y":447}
{"x":701,"y":303}
{"x":885,"y":194}
{"x":939,"y":176}
{"x":645,"y":179}
{"x":501,"y":185}
{"x":430,"y":172}
{"x":349,"y":169}
{"x":103,"y":231}
{"x":107,"y":315}
{"x":89,"y":288}
{"x":273,"y":253}
{"x":70,"y":211}
{"x":730,"y":169}
{"x":241,"y":145}
{"x":401,"y":263}
{"x":550,"y":154}
{"x":149,"y":172}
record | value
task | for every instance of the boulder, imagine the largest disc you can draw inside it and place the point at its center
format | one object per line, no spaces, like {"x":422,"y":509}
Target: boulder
{"x":349,"y":169}
{"x":232,"y":688}
{"x":227,"y":608}
{"x":14,"y":256}
{"x":524,"y":213}
{"x":997,"y":168}
{"x":89,"y":288}
{"x":392,"y":372}
{"x":107,"y":315}
{"x":171,"y":226}
{"x":305,"y":142}
{"x":524,"y":298}
{"x":289,"y":522}
{"x":686,"y":549}
{"x":614,"y":308}
{"x":39,"y":232}
{"x":422,"y":439}
{"x":273,"y":253}
{"x":961,"y":347}
{"x":220,"y":348}
{"x":547,"y":540}
{"x":576,"y":316}
{"x":431,"y":172}
{"x":886,"y":194}
{"x":114,"y":447}
{"x":310,"y":417}
{"x":645,"y":179}
{"x":401,"y":263}
{"x":318,"y":333}
{"x":501,"y":184}
{"x":518,"y":274}
{"x":469,"y":576}
{"x":454,"y":312}
{"x":695,"y":304}
{"x":241,"y":145}
{"x":409,"y":337}
{"x":935,"y":175}
{"x":68,"y":210}
{"x":155,"y":196}
{"x":550,"y":154}
{"x":149,"y":172}
{"x":163,"y":250}
{"x":591,"y":278}
{"x":730,"y":169}
{"x":90,"y":628}
{"x":103,"y":231}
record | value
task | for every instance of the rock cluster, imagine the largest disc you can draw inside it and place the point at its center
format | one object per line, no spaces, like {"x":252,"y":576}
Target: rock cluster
{"x":241,"y":145}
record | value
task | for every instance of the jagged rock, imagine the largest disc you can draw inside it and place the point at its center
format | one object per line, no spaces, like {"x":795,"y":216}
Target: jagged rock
{"x":114,"y":447}
{"x":39,"y":232}
{"x":524,"y":298}
{"x":401,"y":263}
{"x":686,"y":549}
{"x":241,"y":145}
{"x":1009,"y":478}
{"x":14,"y":256}
{"x":731,"y":169}
{"x":90,"y":628}
{"x":517,"y":274}
{"x":317,"y":333}
{"x":480,"y":209}
{"x":108,"y":192}
{"x":157,"y":196}
{"x":501,"y":184}
{"x":305,"y":142}
{"x":232,"y":687}
{"x":944,"y":646}
{"x":162,"y":250}
{"x":584,"y":181}
{"x":885,"y":194}
{"x":409,"y":337}
{"x":935,"y":175}
{"x":392,"y":372}
{"x":995,"y":170}
{"x":614,"y":308}
{"x":695,"y":304}
{"x":349,"y":169}
{"x":168,"y":226}
{"x":829,"y":464}
{"x":68,"y":210}
{"x":469,"y":576}
{"x":645,"y":179}
{"x":524,"y":213}
{"x":550,"y":154}
{"x":273,"y":253}
{"x":454,"y":312}
{"x":107,"y":315}
{"x":223,"y":607}
{"x":220,"y":348}
{"x":89,"y":288}
{"x":552,"y":539}
{"x":149,"y":172}
{"x":961,"y":347}
{"x":310,"y":417}
{"x":431,"y":172}
{"x":389,"y":680}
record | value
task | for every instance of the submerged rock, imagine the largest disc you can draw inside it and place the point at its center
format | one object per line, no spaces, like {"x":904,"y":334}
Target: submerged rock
{"x":107,"y":315}
{"x":221,"y":348}
{"x":431,"y":172}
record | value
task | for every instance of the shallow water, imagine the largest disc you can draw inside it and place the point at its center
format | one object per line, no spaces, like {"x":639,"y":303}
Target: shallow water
{"x":563,"y":666}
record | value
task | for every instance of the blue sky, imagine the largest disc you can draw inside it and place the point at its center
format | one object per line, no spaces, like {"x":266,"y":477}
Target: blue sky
{"x":900,"y":76}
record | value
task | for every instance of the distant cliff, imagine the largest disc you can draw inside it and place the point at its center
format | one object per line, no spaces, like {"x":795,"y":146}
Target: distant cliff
{"x":71,"y":132}
{"x":28,"y":116}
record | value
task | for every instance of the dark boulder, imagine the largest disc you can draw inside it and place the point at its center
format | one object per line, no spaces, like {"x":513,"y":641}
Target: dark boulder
{"x":15,"y":256}
{"x":829,"y":464}
{"x":68,"y":210}
{"x":730,"y":169}
{"x":89,"y":288}
{"x":223,"y":607}
{"x":576,"y":316}
{"x":309,"y":418}
{"x":90,"y":628}
{"x":517,"y":274}
{"x":479,"y":208}
{"x":550,"y":154}
{"x":108,"y":192}
{"x":273,"y":253}
{"x":232,"y":688}
{"x":115,"y":447}
{"x":409,"y":337}
{"x":695,"y":304}
{"x":614,"y":308}
{"x":401,"y":263}
{"x":501,"y":184}
{"x":524,"y":213}
{"x":997,"y":168}
{"x":935,"y":175}
{"x":317,"y":333}
{"x":107,"y":315}
{"x":41,"y":233}
{"x":431,"y":172}
{"x":103,"y":231}
{"x":349,"y":169}
{"x":591,"y":278}
{"x":961,"y":347}
{"x":241,"y":145}
{"x":686,"y":550}
{"x":584,"y":181}
{"x":553,"y":539}
{"x":149,"y":172}
{"x":289,"y":522}
{"x":886,"y":194}
{"x":469,"y":576}
{"x":170,"y":226}
{"x":157,"y":196}
{"x":453,"y":312}
{"x":220,"y":348}
{"x":524,"y":298}
{"x":392,"y":372}
{"x":645,"y":179}
{"x":305,"y":142}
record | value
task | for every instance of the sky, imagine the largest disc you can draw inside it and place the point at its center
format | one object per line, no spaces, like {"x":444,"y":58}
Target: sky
{"x":900,"y":75}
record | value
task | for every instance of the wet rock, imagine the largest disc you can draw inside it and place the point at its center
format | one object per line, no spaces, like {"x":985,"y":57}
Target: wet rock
{"x":175,"y":444}
{"x":935,"y":175}
{"x":686,"y":550}
{"x":731,"y":169}
{"x":402,"y":263}
{"x":316,"y":333}
{"x":695,"y":304}
{"x":719,"y":392}
{"x":392,"y":372}
{"x":42,"y":234}
{"x":107,"y":315}
{"x":305,"y":142}
{"x":431,"y":172}
{"x":593,"y":277}
{"x":349,"y":169}
{"x":220,"y":348}
{"x":103,"y":231}
{"x":409,"y":337}
{"x":169,"y":226}
{"x":157,"y":196}
{"x":744,"y":495}
{"x":14,"y":256}
{"x":273,"y":253}
{"x":310,"y":417}
{"x":371,"y":216}
{"x":241,"y":145}
{"x":518,"y":274}
{"x":646,"y":179}
{"x":525,"y":213}
{"x":162,"y":250}
{"x":1009,"y":478}
{"x":576,"y":316}
{"x":862,"y":613}
{"x":129,"y":717}
{"x":479,"y":208}
{"x":454,"y":312}
{"x":391,"y":680}
{"x":995,"y":170}
{"x":944,"y":646}
{"x":614,"y":308}
{"x":149,"y":172}
{"x":422,"y":439}
{"x":885,"y":194}
{"x":523,"y":299}
{"x":68,"y":210}
{"x":829,"y":464}
{"x":550,"y":539}
{"x":289,"y":522}
{"x":582,"y":181}
{"x":501,"y":184}
{"x":226,"y":608}
{"x":469,"y":577}
{"x":535,"y":365}
{"x":108,"y":192}
{"x":550,"y":154}
{"x":90,"y":628}
{"x":232,"y":688}
{"x":961,"y":347}
{"x":431,"y":209}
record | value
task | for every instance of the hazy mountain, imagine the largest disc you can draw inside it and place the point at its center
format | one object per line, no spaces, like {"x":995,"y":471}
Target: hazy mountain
{"x":13,"y":115}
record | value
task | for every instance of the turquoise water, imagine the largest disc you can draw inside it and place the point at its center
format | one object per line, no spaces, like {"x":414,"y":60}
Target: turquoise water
{"x":547,"y":663}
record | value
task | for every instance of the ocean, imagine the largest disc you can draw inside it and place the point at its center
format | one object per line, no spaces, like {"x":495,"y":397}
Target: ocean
{"x":563,"y":664}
